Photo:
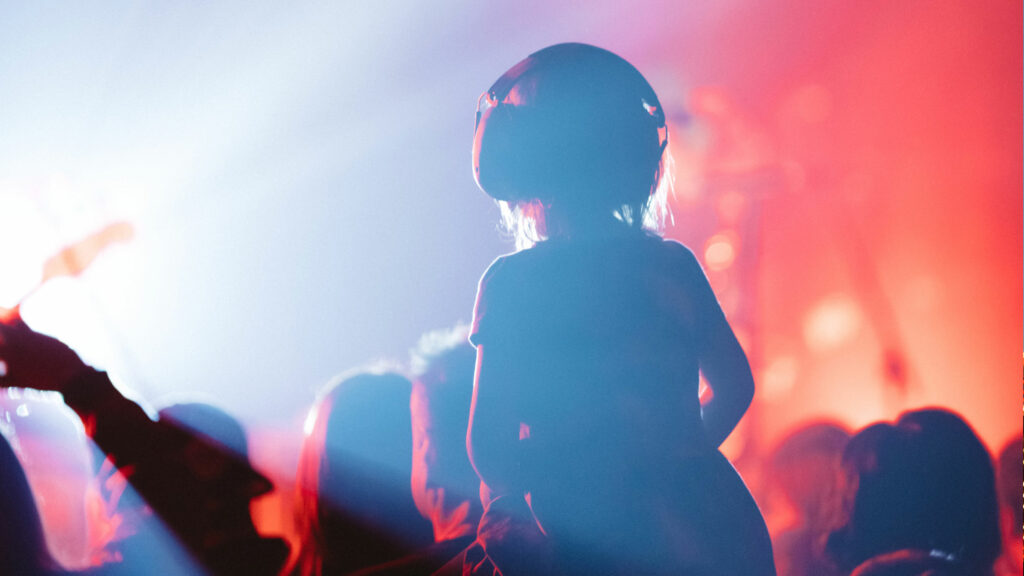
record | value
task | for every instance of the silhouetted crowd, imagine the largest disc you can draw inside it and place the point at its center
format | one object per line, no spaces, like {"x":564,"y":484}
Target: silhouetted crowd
{"x":919,"y":495}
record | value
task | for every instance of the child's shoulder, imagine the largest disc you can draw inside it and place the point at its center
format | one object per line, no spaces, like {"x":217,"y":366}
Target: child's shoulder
{"x":673,"y":248}
{"x":667,"y":252}
{"x":648,"y":247}
{"x":501,"y":270}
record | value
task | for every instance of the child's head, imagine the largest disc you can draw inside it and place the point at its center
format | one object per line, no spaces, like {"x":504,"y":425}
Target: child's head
{"x":573,"y":129}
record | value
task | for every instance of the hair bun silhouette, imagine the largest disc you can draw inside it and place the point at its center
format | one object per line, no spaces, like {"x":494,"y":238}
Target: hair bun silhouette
{"x":570,"y":123}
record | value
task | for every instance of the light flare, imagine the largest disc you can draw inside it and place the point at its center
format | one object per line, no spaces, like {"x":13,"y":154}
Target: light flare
{"x":833,"y":322}
{"x":720,"y":251}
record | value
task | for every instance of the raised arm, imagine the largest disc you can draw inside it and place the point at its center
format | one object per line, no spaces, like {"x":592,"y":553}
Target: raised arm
{"x":153,"y":455}
{"x":33,"y":360}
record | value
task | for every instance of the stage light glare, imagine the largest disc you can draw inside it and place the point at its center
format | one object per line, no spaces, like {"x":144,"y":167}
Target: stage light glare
{"x":310,"y":422}
{"x":25,"y":243}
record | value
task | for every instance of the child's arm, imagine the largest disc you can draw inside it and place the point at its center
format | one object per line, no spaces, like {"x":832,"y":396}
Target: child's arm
{"x":508,"y":532}
{"x":725,"y":367}
{"x":493,"y":436}
{"x":722,"y":360}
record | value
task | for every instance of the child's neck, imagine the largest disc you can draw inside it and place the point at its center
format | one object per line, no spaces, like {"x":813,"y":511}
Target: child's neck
{"x":583,"y":225}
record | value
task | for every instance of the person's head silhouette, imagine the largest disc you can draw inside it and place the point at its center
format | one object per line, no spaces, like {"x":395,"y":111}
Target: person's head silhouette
{"x":925,"y":483}
{"x":353,"y":478}
{"x":570,"y":138}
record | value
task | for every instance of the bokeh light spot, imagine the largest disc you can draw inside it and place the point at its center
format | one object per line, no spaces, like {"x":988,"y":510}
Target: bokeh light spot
{"x":779,"y":378}
{"x":832,"y":323}
{"x":720,"y":251}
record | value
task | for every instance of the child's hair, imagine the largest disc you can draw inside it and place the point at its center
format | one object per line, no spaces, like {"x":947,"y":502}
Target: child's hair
{"x":577,"y":128}
{"x":524,"y":223}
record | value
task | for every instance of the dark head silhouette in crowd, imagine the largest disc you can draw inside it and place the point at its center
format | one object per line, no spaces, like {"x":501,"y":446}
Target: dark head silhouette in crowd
{"x":802,"y":470}
{"x":1010,"y":478}
{"x":445,"y":487}
{"x":353,"y":480}
{"x":211,"y":423}
{"x":198,"y":489}
{"x":918,"y":497}
{"x":589,"y":342}
{"x":214,"y":459}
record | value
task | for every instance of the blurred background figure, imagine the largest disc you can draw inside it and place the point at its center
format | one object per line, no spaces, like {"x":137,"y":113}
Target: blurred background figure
{"x":212,"y":424}
{"x":58,"y":461}
{"x":352,"y":486}
{"x":1010,"y":476}
{"x":444,"y":485}
{"x":22,"y":545}
{"x":802,"y":472}
{"x":917,"y":497}
{"x":213,"y":463}
{"x":179,"y":480}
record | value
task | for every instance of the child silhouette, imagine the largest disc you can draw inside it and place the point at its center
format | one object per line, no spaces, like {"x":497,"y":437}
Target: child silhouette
{"x":590,"y":342}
